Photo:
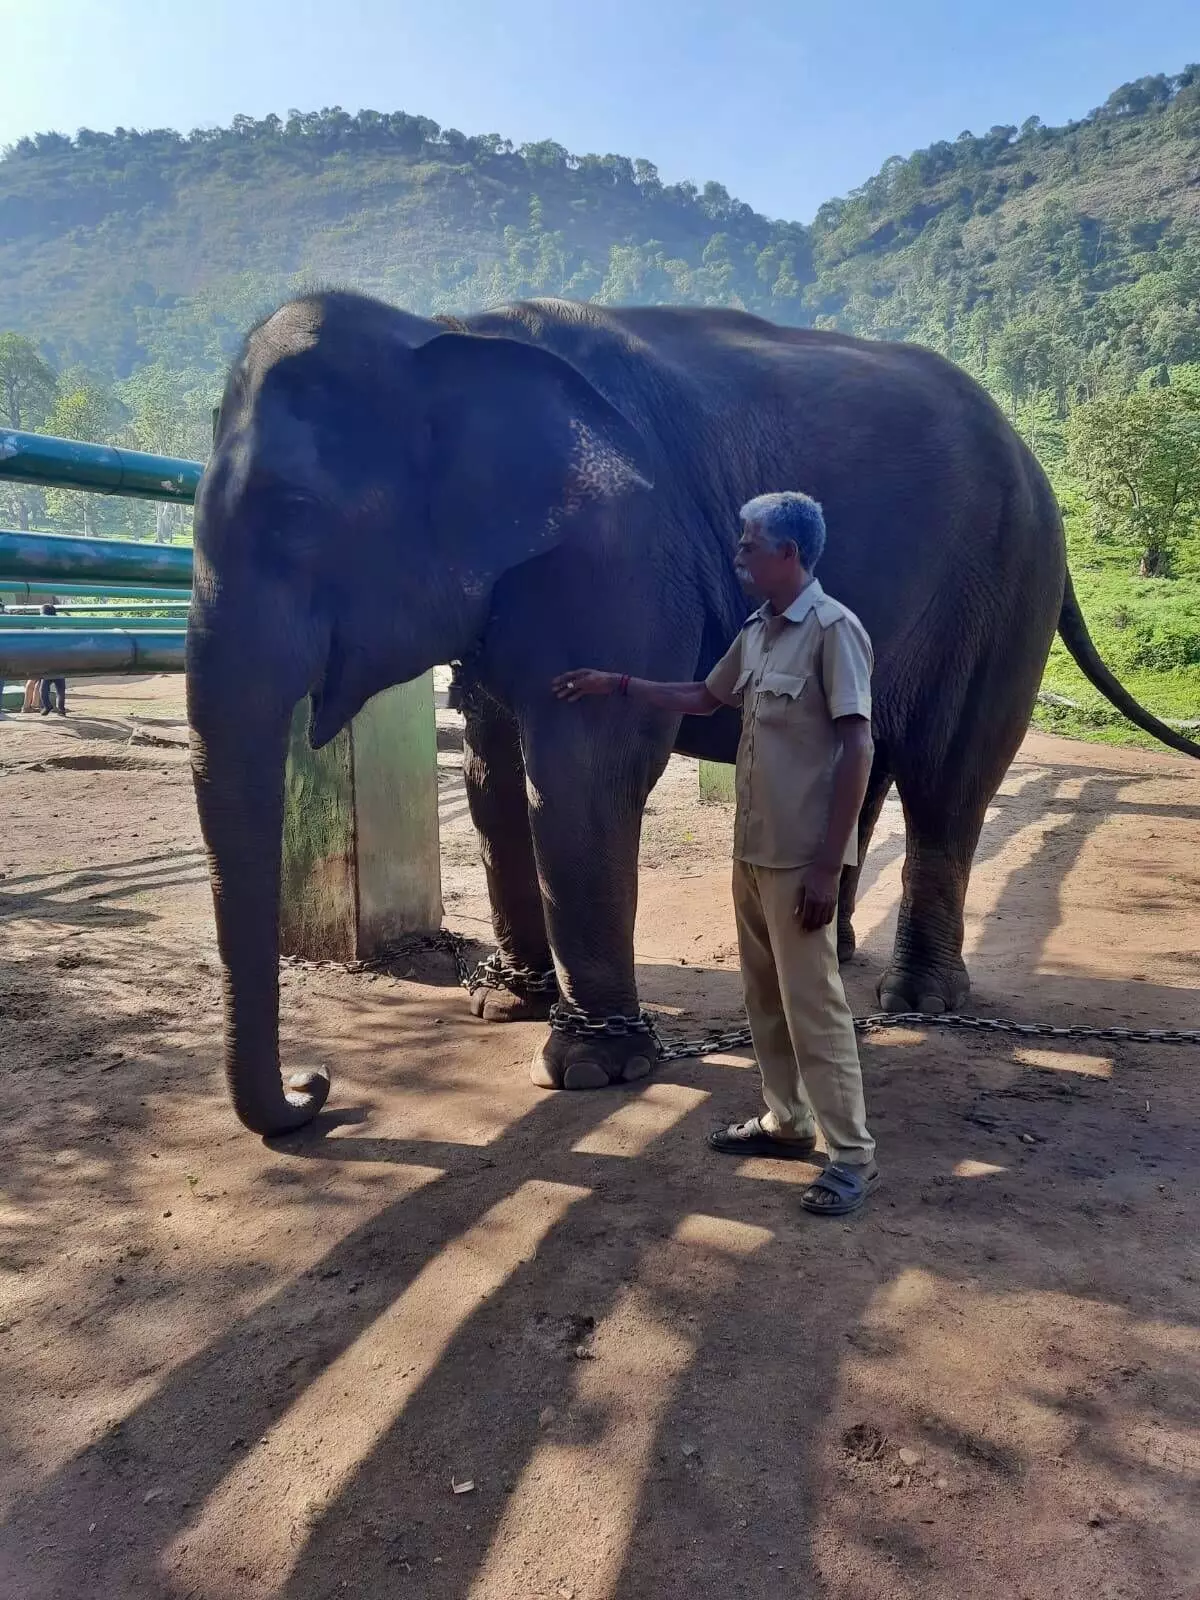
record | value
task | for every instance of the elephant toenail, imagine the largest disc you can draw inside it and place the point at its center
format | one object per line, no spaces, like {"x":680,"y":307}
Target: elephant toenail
{"x":585,"y":1075}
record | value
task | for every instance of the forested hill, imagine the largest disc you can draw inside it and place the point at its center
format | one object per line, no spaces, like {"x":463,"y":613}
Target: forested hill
{"x":1047,"y":255}
{"x":1064,"y":257}
{"x":121,"y":248}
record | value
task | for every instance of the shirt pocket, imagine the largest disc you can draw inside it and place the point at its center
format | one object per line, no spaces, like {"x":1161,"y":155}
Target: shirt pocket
{"x":780,"y":696}
{"x":741,"y":683}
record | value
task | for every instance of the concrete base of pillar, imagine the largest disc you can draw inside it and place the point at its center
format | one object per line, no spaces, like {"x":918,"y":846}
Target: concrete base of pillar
{"x":361,"y":860}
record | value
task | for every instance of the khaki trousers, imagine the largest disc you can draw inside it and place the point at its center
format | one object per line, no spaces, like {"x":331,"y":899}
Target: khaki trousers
{"x":802,"y":1027}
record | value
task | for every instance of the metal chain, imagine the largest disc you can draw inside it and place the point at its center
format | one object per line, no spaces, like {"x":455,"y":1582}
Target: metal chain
{"x":1035,"y":1030}
{"x":672,"y":1049}
{"x":575,"y":1023}
{"x":456,"y":944}
{"x":494,"y":972}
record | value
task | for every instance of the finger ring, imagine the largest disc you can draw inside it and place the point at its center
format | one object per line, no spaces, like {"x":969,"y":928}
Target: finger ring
{"x":570,"y":683}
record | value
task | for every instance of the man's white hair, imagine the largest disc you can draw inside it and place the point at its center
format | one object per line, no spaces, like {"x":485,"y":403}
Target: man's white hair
{"x":789,"y":517}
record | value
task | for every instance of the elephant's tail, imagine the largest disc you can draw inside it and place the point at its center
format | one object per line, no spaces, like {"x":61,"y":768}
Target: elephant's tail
{"x":1074,"y":633}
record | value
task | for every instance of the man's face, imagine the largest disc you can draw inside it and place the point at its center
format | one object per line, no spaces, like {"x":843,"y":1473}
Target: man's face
{"x":761,"y":568}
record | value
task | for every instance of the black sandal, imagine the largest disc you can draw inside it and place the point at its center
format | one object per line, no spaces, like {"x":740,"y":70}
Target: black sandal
{"x":849,"y":1187}
{"x":752,"y":1139}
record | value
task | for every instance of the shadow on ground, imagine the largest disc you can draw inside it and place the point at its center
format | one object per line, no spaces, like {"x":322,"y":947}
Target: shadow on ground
{"x":658,"y":1377}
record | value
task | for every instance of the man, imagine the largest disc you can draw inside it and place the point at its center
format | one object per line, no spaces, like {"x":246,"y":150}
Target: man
{"x":800,"y":670}
{"x":27,"y":705}
{"x":58,"y":684}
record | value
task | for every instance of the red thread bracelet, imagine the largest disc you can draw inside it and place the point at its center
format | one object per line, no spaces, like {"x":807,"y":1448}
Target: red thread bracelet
{"x":624,"y":688}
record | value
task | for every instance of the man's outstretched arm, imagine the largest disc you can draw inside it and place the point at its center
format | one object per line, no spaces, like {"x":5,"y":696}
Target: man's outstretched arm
{"x":685,"y":699}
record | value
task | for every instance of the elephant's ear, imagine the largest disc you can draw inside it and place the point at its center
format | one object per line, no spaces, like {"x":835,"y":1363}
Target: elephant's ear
{"x":521,"y":440}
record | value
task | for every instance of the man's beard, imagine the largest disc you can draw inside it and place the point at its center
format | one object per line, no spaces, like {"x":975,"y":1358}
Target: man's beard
{"x":746,"y":581}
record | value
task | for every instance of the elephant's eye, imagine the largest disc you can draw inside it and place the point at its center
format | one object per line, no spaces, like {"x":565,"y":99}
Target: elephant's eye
{"x":282,"y":515}
{"x":289,"y":502}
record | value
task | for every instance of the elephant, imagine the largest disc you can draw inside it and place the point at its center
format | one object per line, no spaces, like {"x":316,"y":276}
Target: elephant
{"x":549,"y":483}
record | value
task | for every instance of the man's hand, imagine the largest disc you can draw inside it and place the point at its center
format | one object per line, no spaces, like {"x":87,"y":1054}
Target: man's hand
{"x":682,"y":699}
{"x":817,"y":904}
{"x":585,"y":680}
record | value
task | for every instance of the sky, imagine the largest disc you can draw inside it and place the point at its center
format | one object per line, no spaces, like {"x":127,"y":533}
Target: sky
{"x":785,"y":102}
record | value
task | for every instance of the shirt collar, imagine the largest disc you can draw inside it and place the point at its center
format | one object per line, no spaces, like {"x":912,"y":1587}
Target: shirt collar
{"x":800,"y":606}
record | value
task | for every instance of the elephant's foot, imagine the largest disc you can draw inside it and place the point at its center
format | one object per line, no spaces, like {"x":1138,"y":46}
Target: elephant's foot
{"x":503,"y":1005}
{"x":933,"y":991}
{"x":564,"y":1062}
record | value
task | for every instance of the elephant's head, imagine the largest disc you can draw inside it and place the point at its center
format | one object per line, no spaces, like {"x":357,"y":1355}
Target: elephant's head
{"x":372,"y":476}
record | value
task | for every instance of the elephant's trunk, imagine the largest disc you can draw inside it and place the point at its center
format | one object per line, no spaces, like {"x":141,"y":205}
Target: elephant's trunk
{"x":239,"y":746}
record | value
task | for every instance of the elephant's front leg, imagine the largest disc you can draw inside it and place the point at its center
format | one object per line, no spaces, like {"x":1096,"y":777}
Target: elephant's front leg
{"x":588,"y":787}
{"x":494,"y":774}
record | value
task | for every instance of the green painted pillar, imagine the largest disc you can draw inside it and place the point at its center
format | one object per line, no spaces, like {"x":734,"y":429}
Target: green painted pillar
{"x":361,"y":860}
{"x":716,"y":783}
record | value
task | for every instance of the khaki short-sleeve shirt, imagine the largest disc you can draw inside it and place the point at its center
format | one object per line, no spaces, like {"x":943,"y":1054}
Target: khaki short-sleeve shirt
{"x":792,"y":673}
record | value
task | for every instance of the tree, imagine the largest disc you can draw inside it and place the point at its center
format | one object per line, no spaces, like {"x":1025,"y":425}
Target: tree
{"x":27,"y":383}
{"x":1137,"y":458}
{"x":170,"y":414}
{"x":1040,"y":424}
{"x":83,"y":410}
{"x":27,"y":389}
{"x":1029,"y":357}
{"x":1133,"y":98}
{"x":546,"y":153}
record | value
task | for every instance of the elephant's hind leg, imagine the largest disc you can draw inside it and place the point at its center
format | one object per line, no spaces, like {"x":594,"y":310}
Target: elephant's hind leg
{"x":942,"y":824}
{"x":878,"y":785}
{"x":494,"y":774}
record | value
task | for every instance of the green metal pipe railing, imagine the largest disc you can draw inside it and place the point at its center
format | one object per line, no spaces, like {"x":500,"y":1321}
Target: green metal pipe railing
{"x":84,"y":652}
{"x":47,"y":556}
{"x":40,"y":563}
{"x":92,"y":613}
{"x":39,"y":458}
{"x":55,"y":586}
{"x":10,"y":623}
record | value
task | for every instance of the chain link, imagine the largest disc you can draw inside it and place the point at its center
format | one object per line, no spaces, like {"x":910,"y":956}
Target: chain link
{"x":575,"y":1023}
{"x":496,"y":973}
{"x":493,"y":972}
{"x":456,"y":944}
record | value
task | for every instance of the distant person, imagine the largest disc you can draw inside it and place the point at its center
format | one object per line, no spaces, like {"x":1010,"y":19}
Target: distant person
{"x":29,"y":703}
{"x":800,"y":670}
{"x":59,"y":685}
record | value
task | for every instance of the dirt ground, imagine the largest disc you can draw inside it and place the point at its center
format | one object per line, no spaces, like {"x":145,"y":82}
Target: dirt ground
{"x":232,"y":1371}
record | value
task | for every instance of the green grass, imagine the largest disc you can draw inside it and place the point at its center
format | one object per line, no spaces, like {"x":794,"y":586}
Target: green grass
{"x":1147,"y":631}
